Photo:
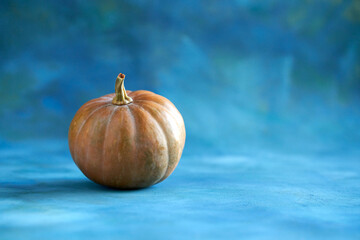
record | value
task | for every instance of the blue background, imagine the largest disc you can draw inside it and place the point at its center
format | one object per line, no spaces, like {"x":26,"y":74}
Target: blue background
{"x":269,"y":92}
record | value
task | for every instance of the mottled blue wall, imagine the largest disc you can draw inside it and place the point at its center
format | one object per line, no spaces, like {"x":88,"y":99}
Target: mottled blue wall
{"x":244,"y":74}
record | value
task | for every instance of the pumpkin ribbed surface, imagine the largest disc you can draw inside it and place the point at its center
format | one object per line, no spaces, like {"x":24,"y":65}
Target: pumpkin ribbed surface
{"x":134,"y":145}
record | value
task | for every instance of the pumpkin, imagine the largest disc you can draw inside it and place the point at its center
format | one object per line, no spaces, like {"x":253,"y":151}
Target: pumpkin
{"x":127,"y":139}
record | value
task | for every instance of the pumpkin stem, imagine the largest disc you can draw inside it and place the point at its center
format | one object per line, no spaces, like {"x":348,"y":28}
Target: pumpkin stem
{"x":121,"y":98}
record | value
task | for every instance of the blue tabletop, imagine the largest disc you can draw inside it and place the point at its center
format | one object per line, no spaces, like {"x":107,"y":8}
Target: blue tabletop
{"x":255,"y":195}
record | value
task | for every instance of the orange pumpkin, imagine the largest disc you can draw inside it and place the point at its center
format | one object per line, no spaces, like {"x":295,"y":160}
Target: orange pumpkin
{"x":127,"y":139}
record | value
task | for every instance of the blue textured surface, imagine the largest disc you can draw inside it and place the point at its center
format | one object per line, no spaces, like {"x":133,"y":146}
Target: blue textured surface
{"x":254,"y":195}
{"x":269,"y":92}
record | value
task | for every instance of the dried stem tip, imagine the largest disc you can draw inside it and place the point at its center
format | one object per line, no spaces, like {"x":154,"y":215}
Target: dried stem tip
{"x":121,"y":98}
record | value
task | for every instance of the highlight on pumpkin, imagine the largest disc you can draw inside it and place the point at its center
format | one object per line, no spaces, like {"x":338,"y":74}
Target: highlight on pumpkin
{"x":121,"y":97}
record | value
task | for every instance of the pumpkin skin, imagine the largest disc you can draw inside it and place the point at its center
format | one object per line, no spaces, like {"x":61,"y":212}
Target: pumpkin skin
{"x":127,"y":146}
